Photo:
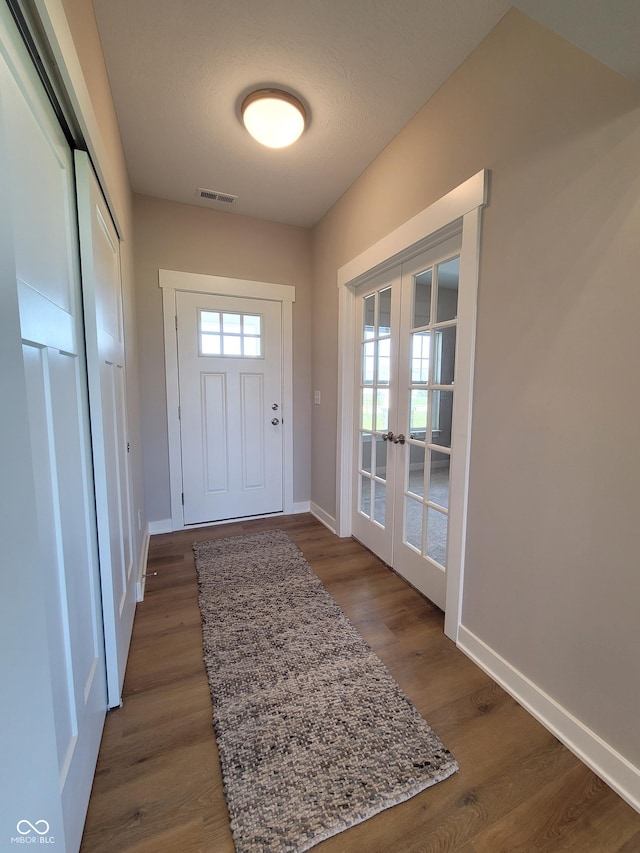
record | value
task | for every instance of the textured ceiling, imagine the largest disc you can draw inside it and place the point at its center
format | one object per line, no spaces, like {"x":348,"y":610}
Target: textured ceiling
{"x":363,"y":68}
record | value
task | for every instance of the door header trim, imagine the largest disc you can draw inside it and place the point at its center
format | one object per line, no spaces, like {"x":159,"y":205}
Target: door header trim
{"x":416,"y":234}
{"x":223,"y":286}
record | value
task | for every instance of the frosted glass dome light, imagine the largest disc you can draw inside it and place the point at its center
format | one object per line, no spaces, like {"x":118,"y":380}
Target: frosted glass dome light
{"x":273,"y":117}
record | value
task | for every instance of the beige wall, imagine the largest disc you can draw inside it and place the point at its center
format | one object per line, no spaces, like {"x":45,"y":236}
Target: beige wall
{"x":196,"y":239}
{"x":552,"y":581}
{"x":82,"y":24}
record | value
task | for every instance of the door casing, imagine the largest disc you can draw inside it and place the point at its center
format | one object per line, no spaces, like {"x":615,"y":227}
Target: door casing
{"x":173,"y":281}
{"x":458,"y":211}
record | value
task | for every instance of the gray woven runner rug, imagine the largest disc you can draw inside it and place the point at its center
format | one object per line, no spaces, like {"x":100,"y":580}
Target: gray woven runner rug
{"x":314,"y":734}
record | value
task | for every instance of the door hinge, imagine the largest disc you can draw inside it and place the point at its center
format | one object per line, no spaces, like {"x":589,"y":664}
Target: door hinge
{"x":179,"y":416}
{"x":176,"y":322}
{"x":183,"y":499}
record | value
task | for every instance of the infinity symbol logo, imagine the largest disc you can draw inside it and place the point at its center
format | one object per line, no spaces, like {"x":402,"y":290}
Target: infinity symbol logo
{"x":40,"y":826}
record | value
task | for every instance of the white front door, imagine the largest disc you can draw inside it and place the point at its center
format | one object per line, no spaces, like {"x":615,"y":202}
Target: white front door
{"x":104,"y":323}
{"x":407,"y":324}
{"x":36,"y":172}
{"x":230,"y":380}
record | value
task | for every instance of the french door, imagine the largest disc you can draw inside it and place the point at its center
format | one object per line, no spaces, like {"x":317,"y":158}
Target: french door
{"x":407,"y":322}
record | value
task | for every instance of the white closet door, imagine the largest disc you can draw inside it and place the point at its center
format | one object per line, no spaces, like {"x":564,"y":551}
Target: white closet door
{"x":102,"y":295}
{"x":39,"y":192}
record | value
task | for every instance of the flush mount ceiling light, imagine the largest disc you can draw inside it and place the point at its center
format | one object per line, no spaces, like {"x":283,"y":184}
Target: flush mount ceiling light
{"x":273,"y":117}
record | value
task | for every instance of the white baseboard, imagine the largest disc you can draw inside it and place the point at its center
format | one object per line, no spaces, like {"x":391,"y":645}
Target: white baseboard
{"x":322,"y":516}
{"x":612,"y":767}
{"x":163,"y":526}
{"x":301,"y":506}
{"x":142,"y":565}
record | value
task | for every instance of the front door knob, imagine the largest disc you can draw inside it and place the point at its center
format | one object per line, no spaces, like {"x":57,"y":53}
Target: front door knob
{"x":275,"y":421}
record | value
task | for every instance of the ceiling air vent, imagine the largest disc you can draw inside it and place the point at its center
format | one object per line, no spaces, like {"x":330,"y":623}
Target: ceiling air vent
{"x":214,"y":195}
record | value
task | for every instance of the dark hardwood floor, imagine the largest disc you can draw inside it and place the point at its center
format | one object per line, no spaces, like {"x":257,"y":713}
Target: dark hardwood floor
{"x":158,"y":787}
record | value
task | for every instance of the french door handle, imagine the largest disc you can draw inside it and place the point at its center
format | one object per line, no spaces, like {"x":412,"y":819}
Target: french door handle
{"x":399,"y":439}
{"x":387,"y":436}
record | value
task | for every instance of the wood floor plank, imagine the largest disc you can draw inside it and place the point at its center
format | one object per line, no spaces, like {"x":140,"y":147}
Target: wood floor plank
{"x":566,"y":814}
{"x":188,"y":837}
{"x":158,"y":785}
{"x":632,"y":845}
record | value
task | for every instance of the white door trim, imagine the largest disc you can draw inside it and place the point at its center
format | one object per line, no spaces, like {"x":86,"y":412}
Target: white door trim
{"x":172,"y":281}
{"x":458,"y":210}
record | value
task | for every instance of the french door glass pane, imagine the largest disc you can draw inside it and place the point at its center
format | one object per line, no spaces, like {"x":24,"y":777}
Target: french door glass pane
{"x":366,"y":419}
{"x":365,"y":452}
{"x":368,"y":362}
{"x":384,"y":361}
{"x":437,"y":536}
{"x":380,"y":503}
{"x":422,"y":299}
{"x":384,"y":312}
{"x":365,"y":495}
{"x":369,"y":314}
{"x":447,"y":293}
{"x":441,"y":417}
{"x":445,"y":356}
{"x":381,"y":458}
{"x":439,"y":478}
{"x":418,"y":413}
{"x":382,"y":409}
{"x":415,"y":479}
{"x":420,"y":355}
{"x":413,"y":523}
